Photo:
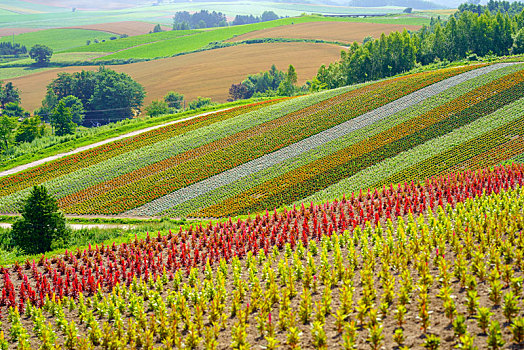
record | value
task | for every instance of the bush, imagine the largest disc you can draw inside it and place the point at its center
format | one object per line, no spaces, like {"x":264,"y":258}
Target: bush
{"x":200,"y":102}
{"x":42,"y":227}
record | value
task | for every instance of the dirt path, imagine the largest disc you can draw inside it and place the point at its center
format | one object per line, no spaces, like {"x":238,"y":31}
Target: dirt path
{"x":100,"y":143}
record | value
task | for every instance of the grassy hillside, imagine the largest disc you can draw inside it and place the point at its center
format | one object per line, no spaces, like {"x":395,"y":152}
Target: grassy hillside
{"x":59,"y":39}
{"x":175,"y":42}
{"x":310,"y":148}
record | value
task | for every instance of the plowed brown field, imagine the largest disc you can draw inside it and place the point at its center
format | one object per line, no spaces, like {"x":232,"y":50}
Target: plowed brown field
{"x":347,"y":32}
{"x":207,"y":73}
{"x":127,"y":27}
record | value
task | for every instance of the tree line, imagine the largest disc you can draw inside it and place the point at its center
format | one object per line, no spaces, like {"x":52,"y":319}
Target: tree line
{"x":8,"y":48}
{"x":183,"y":20}
{"x":467,"y":34}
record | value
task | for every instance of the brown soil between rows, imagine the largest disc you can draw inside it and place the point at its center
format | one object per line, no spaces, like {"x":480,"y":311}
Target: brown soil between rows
{"x":130,"y":28}
{"x":207,"y":73}
{"x":347,"y":32}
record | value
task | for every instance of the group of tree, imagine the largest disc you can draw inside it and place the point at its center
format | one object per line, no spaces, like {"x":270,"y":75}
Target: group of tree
{"x":173,"y":102}
{"x":93,"y":97}
{"x":184,"y":20}
{"x":16,"y":124}
{"x":12,"y":49}
{"x":269,"y":83}
{"x":418,"y":4}
{"x":511,"y":8}
{"x":466,"y":35}
{"x":248,"y":19}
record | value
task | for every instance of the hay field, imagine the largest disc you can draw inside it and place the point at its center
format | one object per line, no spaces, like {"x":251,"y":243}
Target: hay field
{"x":130,"y":28}
{"x":346,"y":32}
{"x":207,"y":73}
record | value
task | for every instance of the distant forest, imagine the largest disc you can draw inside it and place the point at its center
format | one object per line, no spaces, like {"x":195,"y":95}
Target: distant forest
{"x":184,"y":20}
{"x":466,"y":35}
{"x":417,"y":4}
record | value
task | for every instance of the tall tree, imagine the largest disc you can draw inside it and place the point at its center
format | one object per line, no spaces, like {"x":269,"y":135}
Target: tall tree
{"x":174,"y":100}
{"x":76,"y":107}
{"x":42,"y":227}
{"x":62,"y":120}
{"x":7,"y":127}
{"x":8,"y":93}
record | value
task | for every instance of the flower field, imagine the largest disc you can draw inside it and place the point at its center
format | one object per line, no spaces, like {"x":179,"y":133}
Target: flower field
{"x":325,"y":171}
{"x":308,"y":148}
{"x":133,"y":172}
{"x":436,"y":264}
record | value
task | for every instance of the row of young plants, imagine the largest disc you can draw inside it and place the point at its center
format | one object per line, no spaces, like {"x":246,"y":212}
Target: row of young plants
{"x":254,"y":144}
{"x":69,"y":164}
{"x":415,"y":161}
{"x":105,"y":266}
{"x":185,"y":201}
{"x":445,"y":278}
{"x":326,"y":171}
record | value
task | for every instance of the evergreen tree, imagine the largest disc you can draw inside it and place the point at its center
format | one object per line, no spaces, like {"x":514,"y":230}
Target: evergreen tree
{"x":42,"y":227}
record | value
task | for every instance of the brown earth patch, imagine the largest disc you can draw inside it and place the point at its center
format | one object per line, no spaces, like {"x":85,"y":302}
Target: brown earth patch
{"x":207,"y":73}
{"x":130,"y":28}
{"x":16,"y":31}
{"x":346,"y":32}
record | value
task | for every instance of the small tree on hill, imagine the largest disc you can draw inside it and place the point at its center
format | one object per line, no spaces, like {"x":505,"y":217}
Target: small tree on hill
{"x":41,"y":54}
{"x":62,"y":120}
{"x":174,"y":100}
{"x":7,"y":127}
{"x":42,"y":227}
{"x":157,"y":108}
{"x":157,"y":29}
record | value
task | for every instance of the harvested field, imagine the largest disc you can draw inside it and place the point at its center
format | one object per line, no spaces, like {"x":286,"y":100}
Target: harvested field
{"x":130,"y":28}
{"x":16,"y":31}
{"x":330,"y":31}
{"x":207,"y":73}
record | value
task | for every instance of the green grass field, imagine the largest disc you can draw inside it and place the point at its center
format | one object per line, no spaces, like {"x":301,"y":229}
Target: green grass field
{"x":121,"y":44}
{"x":59,"y":39}
{"x":174,"y":42}
{"x":69,"y":57}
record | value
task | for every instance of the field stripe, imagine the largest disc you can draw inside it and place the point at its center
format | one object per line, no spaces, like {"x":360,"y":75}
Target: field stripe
{"x":266,"y":161}
{"x":324,"y":172}
{"x":418,"y":159}
{"x":240,"y":185}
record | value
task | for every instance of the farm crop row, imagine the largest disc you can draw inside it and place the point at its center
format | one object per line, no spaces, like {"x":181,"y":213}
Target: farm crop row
{"x":326,"y":171}
{"x":215,"y":189}
{"x":415,"y":160}
{"x":71,"y":174}
{"x":253,"y":144}
{"x":320,"y":276}
{"x":471,"y":152}
{"x":67,"y":165}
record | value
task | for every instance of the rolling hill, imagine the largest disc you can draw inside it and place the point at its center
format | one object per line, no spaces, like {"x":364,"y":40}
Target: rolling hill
{"x":306,"y":149}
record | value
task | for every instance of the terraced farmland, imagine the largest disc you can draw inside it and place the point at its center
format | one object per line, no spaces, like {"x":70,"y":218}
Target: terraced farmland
{"x":310,"y":148}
